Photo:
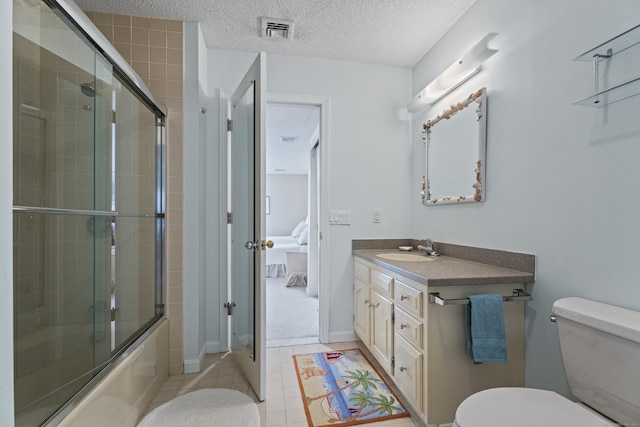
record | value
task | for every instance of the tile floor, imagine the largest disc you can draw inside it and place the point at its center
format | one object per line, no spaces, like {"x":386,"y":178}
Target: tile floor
{"x":283,"y":406}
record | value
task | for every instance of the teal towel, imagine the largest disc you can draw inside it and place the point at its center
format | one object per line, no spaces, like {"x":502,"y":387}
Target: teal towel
{"x":486,"y":340}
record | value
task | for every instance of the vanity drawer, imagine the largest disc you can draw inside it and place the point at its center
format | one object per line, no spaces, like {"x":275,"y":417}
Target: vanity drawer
{"x":408,"y":371}
{"x":409,"y":298}
{"x":408,"y":327}
{"x":381,"y":282}
{"x":361,"y":272}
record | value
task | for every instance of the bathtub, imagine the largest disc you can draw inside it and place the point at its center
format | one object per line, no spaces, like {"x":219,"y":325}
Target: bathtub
{"x":49,"y":344}
{"x":119,"y":395}
{"x":48,"y":361}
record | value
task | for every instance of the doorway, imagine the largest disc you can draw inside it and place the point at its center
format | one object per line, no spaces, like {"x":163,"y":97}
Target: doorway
{"x":293,"y":145}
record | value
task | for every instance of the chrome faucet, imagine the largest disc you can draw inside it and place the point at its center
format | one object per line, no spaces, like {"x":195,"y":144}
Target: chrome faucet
{"x":429,"y":249}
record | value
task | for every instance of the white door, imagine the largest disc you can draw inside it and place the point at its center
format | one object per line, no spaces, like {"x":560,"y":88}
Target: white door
{"x":247,"y":258}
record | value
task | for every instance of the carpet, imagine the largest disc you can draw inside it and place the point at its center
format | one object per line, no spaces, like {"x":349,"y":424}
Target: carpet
{"x":342,"y":388}
{"x":292,"y":315}
{"x":209,"y":406}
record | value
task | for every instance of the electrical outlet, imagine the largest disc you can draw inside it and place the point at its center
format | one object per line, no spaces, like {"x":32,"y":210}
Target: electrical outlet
{"x":376,"y":216}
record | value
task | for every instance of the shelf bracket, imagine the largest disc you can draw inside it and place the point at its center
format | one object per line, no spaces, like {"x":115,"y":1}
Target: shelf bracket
{"x":597,"y":58}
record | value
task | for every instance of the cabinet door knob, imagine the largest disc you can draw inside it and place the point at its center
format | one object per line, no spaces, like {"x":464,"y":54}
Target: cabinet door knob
{"x":403,"y":325}
{"x":403,"y":297}
{"x":402,"y":368}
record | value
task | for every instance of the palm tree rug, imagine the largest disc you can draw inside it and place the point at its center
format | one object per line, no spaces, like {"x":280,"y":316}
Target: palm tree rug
{"x":342,"y":388}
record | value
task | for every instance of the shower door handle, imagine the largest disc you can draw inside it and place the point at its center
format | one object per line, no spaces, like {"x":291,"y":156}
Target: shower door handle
{"x":113,"y":313}
{"x":252,"y":246}
{"x":258,"y":244}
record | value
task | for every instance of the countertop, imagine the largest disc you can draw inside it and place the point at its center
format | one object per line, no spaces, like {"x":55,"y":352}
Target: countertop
{"x":446,"y":270}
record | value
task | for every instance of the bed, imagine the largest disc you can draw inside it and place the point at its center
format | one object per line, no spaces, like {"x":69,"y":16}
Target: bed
{"x":277,"y":255}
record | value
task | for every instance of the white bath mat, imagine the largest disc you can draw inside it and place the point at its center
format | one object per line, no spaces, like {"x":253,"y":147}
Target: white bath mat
{"x":207,"y":407}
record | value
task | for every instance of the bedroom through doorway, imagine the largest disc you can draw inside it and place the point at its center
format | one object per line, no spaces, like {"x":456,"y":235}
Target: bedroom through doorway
{"x":292,"y":217}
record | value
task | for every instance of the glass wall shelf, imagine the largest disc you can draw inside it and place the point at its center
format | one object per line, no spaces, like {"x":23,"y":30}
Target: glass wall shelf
{"x":607,"y":50}
{"x":617,"y":44}
{"x":611,"y":95}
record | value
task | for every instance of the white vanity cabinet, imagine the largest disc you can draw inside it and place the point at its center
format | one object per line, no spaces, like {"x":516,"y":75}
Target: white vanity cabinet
{"x":408,"y":375}
{"x":408,"y":335}
{"x":388,"y":320}
{"x":422,"y":346}
{"x":373,"y":312}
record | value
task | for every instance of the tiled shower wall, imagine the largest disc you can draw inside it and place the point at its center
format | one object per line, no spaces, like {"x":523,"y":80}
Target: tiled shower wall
{"x":154,"y":47}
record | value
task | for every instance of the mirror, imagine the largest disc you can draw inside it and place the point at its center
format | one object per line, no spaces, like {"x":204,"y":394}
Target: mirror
{"x":455,"y":153}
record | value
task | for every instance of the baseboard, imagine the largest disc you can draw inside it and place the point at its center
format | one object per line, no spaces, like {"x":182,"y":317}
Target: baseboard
{"x":192,"y":366}
{"x":342,"y":336}
{"x":214,"y":347}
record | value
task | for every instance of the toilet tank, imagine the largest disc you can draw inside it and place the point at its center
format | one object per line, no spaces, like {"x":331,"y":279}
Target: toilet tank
{"x":600,"y":347}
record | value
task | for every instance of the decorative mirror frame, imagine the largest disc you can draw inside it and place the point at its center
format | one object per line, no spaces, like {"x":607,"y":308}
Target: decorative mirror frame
{"x":480,"y":98}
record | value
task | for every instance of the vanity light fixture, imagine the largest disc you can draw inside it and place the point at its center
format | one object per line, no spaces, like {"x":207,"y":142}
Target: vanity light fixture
{"x":456,"y":74}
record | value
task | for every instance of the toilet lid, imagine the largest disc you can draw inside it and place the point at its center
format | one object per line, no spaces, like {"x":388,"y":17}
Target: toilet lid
{"x":523,"y":407}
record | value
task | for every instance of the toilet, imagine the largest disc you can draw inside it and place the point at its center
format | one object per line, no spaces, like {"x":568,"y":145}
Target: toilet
{"x":600,"y":346}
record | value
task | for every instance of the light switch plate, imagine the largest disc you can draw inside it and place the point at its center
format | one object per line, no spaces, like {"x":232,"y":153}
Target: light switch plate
{"x":339,"y":217}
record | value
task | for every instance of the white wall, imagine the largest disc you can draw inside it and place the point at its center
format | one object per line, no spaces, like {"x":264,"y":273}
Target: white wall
{"x":194,"y":190}
{"x":289,"y":202}
{"x":6,"y":217}
{"x":368,"y":148}
{"x":560,"y":178}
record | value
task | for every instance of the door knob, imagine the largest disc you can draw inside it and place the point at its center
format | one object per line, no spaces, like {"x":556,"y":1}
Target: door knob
{"x":268,"y":243}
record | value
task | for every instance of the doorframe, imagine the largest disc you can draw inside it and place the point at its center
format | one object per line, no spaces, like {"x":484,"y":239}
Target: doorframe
{"x":324,"y":269}
{"x":224,"y":200}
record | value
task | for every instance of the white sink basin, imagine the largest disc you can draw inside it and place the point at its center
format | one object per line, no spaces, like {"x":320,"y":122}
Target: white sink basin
{"x":395,"y":256}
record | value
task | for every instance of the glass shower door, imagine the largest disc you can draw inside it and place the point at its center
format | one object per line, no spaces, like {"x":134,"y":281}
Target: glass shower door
{"x":89,"y":201}
{"x":134,"y":199}
{"x":61,"y":190}
{"x":62,"y":88}
{"x":101,"y":223}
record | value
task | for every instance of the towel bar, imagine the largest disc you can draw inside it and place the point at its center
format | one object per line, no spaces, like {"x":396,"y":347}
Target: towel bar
{"x":518,"y":295}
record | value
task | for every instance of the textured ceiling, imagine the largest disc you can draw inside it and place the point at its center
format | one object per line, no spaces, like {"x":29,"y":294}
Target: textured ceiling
{"x":391,"y":32}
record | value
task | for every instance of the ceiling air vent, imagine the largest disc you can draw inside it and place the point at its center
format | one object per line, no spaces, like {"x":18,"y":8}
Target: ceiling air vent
{"x":289,"y":139}
{"x":278,"y":29}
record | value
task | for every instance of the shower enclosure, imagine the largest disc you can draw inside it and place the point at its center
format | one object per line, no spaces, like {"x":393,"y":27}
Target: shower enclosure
{"x":88,"y":165}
